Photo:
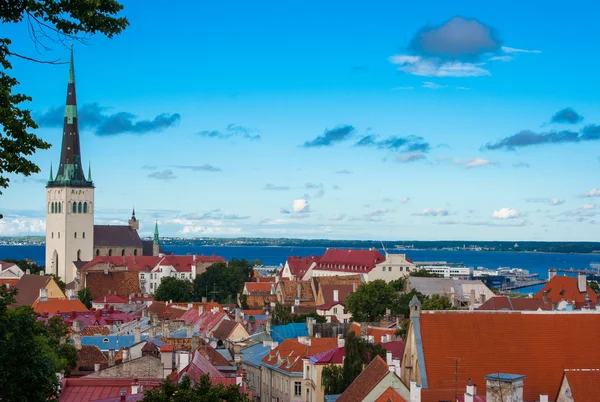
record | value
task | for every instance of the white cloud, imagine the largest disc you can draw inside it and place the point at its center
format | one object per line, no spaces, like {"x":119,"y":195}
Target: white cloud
{"x":511,"y":50}
{"x":416,"y":65}
{"x":402,"y":88}
{"x":17,"y":225}
{"x":595,"y":192}
{"x":432,"y":85}
{"x":588,"y":206}
{"x":405,"y":200}
{"x":556,"y":201}
{"x":463,"y":88}
{"x":477,"y":162}
{"x":504,"y":58}
{"x":300,"y":206}
{"x":274,"y":222}
{"x":432,"y":212}
{"x":412,"y":157}
{"x":505,"y":213}
{"x":337,"y":217}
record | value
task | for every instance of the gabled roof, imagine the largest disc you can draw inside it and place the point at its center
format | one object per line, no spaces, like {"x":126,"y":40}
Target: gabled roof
{"x":299,"y":265}
{"x":289,"y":289}
{"x":29,"y":288}
{"x":123,"y":283}
{"x":349,"y":260}
{"x":116,"y":236}
{"x":224,"y":329}
{"x":584,"y":384}
{"x":279,"y":333}
{"x":396,"y":347}
{"x":212,"y":355}
{"x":133,"y":263}
{"x":253,"y":354}
{"x":5,"y":265}
{"x":515,"y":304}
{"x":565,"y":287}
{"x":335,"y":355}
{"x":288,"y":355}
{"x":366,"y":381}
{"x":328,"y":292}
{"x":198,"y":367}
{"x":87,"y":357}
{"x":539,"y":345}
{"x":390,"y":395}
{"x":59,"y":306}
{"x":91,"y":389}
{"x":111,"y":299}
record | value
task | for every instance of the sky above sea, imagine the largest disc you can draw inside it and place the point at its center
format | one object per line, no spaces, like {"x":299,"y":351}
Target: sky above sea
{"x":343,"y":120}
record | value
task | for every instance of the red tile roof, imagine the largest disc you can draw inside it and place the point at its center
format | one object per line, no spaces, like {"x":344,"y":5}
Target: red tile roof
{"x":366,"y":381}
{"x":112,"y":299}
{"x":253,"y":312}
{"x":87,"y":389}
{"x":335,"y":355}
{"x":565,"y":287}
{"x":9,"y":282}
{"x":328,"y":291}
{"x":584,"y":384}
{"x":515,"y":304}
{"x":198,"y":367}
{"x":349,"y":260}
{"x":376,"y":332}
{"x":92,"y":317}
{"x":299,"y":265}
{"x":396,"y":347}
{"x":181,"y":263}
{"x":539,"y":345}
{"x":59,"y":306}
{"x":258,"y":287}
{"x":5,"y":265}
{"x":390,"y":395}
{"x":288,"y":355}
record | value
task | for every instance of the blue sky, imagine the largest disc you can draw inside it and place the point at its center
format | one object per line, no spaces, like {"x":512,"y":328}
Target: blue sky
{"x":344,"y":120}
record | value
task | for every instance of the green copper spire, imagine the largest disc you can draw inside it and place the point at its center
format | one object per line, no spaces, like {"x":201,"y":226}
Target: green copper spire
{"x":156,"y":233}
{"x":89,"y":172}
{"x":72,"y":69}
{"x":51,"y":178}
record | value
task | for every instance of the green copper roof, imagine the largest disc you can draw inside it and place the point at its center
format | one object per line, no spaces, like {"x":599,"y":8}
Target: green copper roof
{"x":72,"y":69}
{"x":156,"y":233}
{"x":90,"y":172}
{"x":51,"y":178}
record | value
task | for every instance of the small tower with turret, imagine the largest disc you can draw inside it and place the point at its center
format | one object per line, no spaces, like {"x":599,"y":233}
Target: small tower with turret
{"x":134,"y":224}
{"x":155,"y":243}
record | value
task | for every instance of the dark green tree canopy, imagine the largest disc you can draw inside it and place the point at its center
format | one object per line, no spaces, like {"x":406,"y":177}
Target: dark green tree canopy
{"x":49,"y":23}
{"x":202,"y":391}
{"x":173,"y":289}
{"x":222,"y":282}
{"x":370,"y":301}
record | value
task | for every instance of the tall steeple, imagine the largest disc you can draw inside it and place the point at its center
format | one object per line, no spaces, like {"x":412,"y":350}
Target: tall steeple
{"x":156,"y":244}
{"x":70,"y":172}
{"x":156,"y":233}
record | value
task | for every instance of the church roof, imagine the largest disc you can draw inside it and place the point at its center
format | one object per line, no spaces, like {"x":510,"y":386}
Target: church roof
{"x":116,"y":236}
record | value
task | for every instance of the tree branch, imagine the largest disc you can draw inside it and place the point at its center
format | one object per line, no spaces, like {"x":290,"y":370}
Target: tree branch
{"x":57,"y":61}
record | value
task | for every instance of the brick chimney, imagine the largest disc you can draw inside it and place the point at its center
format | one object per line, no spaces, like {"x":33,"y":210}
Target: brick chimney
{"x":137,"y":336}
{"x":471,"y":392}
{"x":111,"y":357}
{"x":96,"y":367}
{"x":582,"y":283}
{"x":501,"y":387}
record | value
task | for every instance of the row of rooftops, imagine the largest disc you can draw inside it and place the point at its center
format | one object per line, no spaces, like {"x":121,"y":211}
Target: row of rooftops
{"x":336,"y":259}
{"x":181,"y":263}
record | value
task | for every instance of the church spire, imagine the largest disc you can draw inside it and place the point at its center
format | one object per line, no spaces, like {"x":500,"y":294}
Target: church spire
{"x":70,"y":171}
{"x":156,"y":233}
{"x":51,"y":175}
{"x":89,"y":172}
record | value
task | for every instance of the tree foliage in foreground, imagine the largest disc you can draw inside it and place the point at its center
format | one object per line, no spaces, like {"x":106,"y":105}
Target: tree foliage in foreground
{"x":85,"y":296}
{"x":31,"y":353}
{"x":222,"y":282}
{"x":282,"y":314}
{"x":48,"y":22}
{"x":437,"y":302}
{"x":173,"y":289}
{"x":358,"y":354}
{"x":202,"y":391}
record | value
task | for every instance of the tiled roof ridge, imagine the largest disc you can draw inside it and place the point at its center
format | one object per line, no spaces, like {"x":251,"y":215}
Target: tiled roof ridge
{"x":591,"y":311}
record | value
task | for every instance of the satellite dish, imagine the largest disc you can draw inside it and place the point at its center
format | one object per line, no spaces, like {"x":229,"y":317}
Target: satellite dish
{"x":213,"y":344}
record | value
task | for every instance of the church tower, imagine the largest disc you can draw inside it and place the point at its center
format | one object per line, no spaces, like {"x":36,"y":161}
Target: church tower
{"x":155,"y":241}
{"x":69,"y":200}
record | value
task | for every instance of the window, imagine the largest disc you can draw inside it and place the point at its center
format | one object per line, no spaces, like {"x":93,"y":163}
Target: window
{"x":335,"y":310}
{"x":105,"y":340}
{"x":79,"y":207}
{"x":75,"y":235}
{"x":83,"y":235}
{"x":53,"y":235}
{"x":383,"y":269}
{"x":141,"y":276}
{"x":85,"y":207}
{"x":78,"y":255}
{"x":60,"y":207}
{"x":97,"y":252}
{"x":135,"y":252}
{"x":123,"y":253}
{"x":59,"y":235}
{"x":74,"y":207}
{"x":109,"y":252}
{"x":52,"y":208}
{"x":390,"y":269}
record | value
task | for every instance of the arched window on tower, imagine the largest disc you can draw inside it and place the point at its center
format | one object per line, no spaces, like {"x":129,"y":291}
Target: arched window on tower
{"x":97,"y":252}
{"x":78,"y":255}
{"x":75,"y":234}
{"x":90,"y":207}
{"x":52,"y":207}
{"x":79,"y":207}
{"x":109,"y":252}
{"x":83,"y":235}
{"x":123,"y":253}
{"x":60,"y":207}
{"x":85,"y":207}
{"x":135,"y":252}
{"x":74,"y":207}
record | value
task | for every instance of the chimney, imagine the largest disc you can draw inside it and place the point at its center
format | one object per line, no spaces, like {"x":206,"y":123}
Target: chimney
{"x":388,"y":360}
{"x":309,"y":325}
{"x":195,"y":342}
{"x":545,"y":296}
{"x":137,"y":335}
{"x":341,"y":342}
{"x":239,"y":375}
{"x":336,"y":296}
{"x":482,"y":298}
{"x":501,"y":387}
{"x":43,"y":295}
{"x":204,"y":300}
{"x":268,"y":325}
{"x":77,"y":341}
{"x":470,"y":394}
{"x":299,"y":290}
{"x":551,"y":273}
{"x":582,"y":282}
{"x":354,"y":286}
{"x":201,"y":309}
{"x":152,"y":332}
{"x":183,"y":359}
{"x":96,"y":367}
{"x":28,"y":271}
{"x":123,"y":396}
{"x":543,"y":398}
{"x":415,"y":392}
{"x":111,"y":357}
{"x":76,"y":325}
{"x":166,"y":358}
{"x":125,"y":355}
{"x":472,"y":299}
{"x":135,"y":387}
{"x":189,"y":330}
